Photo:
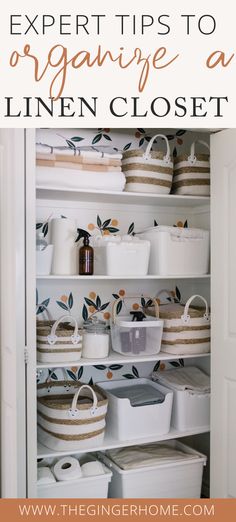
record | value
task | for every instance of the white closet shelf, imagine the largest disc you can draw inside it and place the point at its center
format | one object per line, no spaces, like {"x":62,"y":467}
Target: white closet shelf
{"x":116,"y":358}
{"x":111,"y":443}
{"x":131,"y":198}
{"x":113,"y":278}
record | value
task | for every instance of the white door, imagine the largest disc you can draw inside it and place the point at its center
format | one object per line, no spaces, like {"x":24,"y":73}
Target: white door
{"x":223,"y":226}
{"x":12,"y":312}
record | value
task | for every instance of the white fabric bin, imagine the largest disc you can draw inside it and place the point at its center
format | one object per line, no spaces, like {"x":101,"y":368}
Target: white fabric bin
{"x":85,"y":487}
{"x":191,"y":407}
{"x":173,"y":479}
{"x":125,"y":422}
{"x":177,"y":251}
{"x":190,"y":410}
{"x":121,"y":255}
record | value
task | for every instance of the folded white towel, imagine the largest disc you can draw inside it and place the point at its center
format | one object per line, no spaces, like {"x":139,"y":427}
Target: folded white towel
{"x":73,"y":179}
{"x":189,"y":378}
{"x":147,"y":455}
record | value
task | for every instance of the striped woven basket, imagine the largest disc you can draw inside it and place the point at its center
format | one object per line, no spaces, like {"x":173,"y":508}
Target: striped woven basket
{"x":71,"y":415}
{"x":58,"y":342}
{"x":186,"y":329}
{"x":149,"y":171}
{"x":192,"y":173}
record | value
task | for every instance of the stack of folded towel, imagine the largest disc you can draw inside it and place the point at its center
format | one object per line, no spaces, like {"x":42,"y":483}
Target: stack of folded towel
{"x":190,"y":378}
{"x":142,"y":456}
{"x":70,"y":168}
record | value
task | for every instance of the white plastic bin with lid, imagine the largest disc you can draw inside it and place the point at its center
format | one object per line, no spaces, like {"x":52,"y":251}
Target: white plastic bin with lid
{"x":177,"y":250}
{"x":138,"y":338}
{"x":94,"y":486}
{"x":126,"y":422}
{"x":121,"y":255}
{"x":191,"y":407}
{"x":173,"y":479}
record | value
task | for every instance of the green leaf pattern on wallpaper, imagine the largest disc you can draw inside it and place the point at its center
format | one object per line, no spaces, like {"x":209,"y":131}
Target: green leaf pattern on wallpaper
{"x":109,"y":226}
{"x":66,"y":302}
{"x":144,"y":137}
{"x":110,"y":139}
{"x":95,"y":304}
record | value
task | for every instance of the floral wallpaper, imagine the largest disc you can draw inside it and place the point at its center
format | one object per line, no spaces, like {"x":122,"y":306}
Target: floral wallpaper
{"x":111,"y":139}
{"x":94,"y":304}
{"x":55,"y":298}
{"x":104,"y":228}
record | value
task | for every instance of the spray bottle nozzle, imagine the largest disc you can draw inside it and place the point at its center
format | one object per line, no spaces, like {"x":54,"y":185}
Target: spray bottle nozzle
{"x":138,"y":316}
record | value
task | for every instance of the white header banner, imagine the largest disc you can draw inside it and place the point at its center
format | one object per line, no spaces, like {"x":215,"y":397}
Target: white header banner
{"x":123,"y":64}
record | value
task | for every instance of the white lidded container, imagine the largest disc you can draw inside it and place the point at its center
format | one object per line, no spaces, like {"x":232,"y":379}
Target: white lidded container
{"x":173,"y":479}
{"x":94,"y":486}
{"x":191,"y":402}
{"x":130,"y":337}
{"x":127,"y":422}
{"x":177,"y":250}
{"x":121,"y":255}
{"x":96,"y":340}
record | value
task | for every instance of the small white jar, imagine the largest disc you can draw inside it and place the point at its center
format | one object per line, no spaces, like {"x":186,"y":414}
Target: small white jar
{"x":95,"y":343}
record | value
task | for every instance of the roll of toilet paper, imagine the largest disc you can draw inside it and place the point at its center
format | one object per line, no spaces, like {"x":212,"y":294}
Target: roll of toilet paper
{"x":91,"y":468}
{"x":67,"y":468}
{"x":65,"y":250}
{"x":45,"y":476}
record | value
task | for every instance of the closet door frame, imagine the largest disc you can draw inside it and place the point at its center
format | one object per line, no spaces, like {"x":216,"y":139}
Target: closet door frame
{"x":12,"y":313}
{"x":30,"y":267}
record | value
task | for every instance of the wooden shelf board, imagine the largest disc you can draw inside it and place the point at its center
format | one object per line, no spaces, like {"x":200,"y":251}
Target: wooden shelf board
{"x":114,"y":278}
{"x":131,"y":198}
{"x":116,"y":358}
{"x":110,"y":443}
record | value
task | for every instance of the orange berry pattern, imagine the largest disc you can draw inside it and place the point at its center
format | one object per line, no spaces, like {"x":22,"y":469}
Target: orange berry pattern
{"x":109,"y":226}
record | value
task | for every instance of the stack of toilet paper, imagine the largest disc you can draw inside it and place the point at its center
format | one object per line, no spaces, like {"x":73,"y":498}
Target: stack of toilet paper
{"x":68,"y":468}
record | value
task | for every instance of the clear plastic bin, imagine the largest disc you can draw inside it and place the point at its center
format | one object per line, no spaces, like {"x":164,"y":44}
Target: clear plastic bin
{"x":131,"y":337}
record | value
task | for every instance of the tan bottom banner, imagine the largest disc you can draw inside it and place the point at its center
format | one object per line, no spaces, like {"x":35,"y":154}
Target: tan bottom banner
{"x":217,"y":510}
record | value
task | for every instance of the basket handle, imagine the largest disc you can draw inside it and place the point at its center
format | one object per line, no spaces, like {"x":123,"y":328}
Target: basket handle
{"x":75,"y":337}
{"x":147,"y":153}
{"x":74,"y":411}
{"x":167,"y":292}
{"x":192,"y":158}
{"x":115,"y":303}
{"x":186,"y":317}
